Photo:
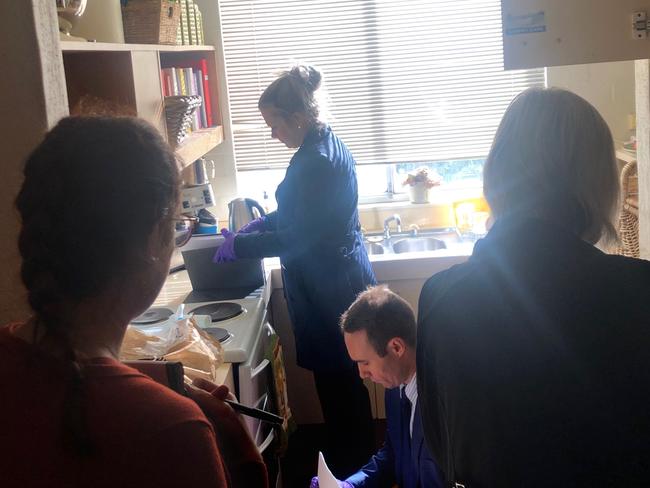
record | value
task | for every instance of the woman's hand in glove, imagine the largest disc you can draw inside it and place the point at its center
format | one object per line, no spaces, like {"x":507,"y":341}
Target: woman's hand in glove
{"x":226,"y":251}
{"x":256,"y":225}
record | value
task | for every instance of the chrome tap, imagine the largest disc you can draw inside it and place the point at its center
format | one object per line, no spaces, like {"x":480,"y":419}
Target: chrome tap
{"x":387,"y":221}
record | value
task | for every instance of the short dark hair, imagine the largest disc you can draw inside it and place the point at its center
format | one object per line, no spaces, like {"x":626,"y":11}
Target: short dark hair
{"x":383,"y":315}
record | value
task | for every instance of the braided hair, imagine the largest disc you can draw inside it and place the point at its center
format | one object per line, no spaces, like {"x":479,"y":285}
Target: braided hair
{"x":94,"y":191}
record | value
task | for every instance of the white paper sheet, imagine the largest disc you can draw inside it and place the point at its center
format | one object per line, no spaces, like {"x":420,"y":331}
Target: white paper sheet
{"x":325,"y":477}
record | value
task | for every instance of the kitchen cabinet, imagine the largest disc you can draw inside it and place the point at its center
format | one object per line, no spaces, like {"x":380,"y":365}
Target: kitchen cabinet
{"x":43,"y":78}
{"x":542,"y":33}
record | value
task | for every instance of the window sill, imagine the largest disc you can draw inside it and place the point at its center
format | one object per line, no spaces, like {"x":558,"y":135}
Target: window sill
{"x":437,"y":213}
{"x":437,"y":197}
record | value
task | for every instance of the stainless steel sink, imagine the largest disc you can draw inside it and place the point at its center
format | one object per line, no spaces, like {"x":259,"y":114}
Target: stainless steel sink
{"x":374,"y":248}
{"x":430,"y":240}
{"x":417,"y":244}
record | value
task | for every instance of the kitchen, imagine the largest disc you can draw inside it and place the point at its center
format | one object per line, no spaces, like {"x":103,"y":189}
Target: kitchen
{"x":607,"y":86}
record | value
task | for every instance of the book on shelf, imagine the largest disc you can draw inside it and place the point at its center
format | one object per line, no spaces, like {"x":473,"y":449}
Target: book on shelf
{"x":181,"y":81}
{"x":190,"y":81}
{"x":207,"y":100}
{"x":198,"y":75}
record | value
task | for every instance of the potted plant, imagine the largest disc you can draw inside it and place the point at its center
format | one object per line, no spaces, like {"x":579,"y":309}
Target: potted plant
{"x":420,"y":182}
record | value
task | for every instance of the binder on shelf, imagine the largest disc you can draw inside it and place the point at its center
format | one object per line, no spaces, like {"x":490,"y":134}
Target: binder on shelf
{"x":199,"y":24}
{"x":182,"y":83}
{"x":170,"y":83}
{"x":190,"y":81}
{"x":198,"y":75}
{"x":207,"y":101}
{"x":185,"y":26}
{"x":191,"y":21}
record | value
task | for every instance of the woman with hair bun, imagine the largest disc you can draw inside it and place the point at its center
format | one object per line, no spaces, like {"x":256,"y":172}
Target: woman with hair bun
{"x":316,"y":233}
{"x":99,"y":209}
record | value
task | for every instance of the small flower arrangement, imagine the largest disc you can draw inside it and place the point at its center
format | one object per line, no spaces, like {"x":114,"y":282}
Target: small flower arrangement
{"x":423,"y":176}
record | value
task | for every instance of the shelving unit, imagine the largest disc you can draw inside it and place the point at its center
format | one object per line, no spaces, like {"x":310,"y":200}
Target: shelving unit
{"x":127,"y":76}
{"x":625,"y":156}
{"x":72,"y":46}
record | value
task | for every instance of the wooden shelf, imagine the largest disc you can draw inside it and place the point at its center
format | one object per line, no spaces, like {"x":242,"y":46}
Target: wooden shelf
{"x":198,"y":143}
{"x":70,"y":46}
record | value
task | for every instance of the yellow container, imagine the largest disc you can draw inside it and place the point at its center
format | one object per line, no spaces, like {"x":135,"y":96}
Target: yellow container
{"x":471,"y":215}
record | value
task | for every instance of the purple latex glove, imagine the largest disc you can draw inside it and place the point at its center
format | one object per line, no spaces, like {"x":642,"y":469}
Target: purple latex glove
{"x":342,"y":484}
{"x":226,"y":251}
{"x":256,"y":225}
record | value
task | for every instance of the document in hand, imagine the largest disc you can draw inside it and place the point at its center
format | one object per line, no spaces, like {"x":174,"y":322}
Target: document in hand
{"x":325,"y":477}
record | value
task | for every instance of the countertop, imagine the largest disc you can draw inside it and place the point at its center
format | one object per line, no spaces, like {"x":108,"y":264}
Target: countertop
{"x":387,"y":267}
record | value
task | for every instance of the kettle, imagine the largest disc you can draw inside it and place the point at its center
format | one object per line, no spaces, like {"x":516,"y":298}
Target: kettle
{"x":242,"y":211}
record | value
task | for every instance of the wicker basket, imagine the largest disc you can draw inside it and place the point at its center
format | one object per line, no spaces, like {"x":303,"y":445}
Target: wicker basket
{"x":178,"y":115}
{"x":628,"y":223}
{"x":151,"y":21}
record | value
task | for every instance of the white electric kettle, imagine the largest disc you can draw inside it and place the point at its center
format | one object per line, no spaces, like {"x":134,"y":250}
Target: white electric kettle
{"x":242,"y":211}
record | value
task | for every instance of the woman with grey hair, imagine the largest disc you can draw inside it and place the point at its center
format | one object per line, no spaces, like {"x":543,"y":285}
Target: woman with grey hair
{"x":533,"y":361}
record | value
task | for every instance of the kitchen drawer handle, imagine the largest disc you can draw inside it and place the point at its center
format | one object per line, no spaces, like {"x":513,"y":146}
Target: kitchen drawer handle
{"x":267,"y":442}
{"x":260,"y":368}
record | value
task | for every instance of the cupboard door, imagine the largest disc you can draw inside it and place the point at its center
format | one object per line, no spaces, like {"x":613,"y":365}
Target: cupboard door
{"x":538,"y":33}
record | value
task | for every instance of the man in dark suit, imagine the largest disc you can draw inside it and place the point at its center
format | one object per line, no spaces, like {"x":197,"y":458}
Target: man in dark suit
{"x":379,"y":332}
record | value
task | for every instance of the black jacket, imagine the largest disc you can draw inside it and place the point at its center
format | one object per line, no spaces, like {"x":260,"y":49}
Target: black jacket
{"x":534,"y":363}
{"x":315,"y":231}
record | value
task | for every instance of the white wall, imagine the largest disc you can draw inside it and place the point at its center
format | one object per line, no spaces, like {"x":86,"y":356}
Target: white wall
{"x":608,"y":86}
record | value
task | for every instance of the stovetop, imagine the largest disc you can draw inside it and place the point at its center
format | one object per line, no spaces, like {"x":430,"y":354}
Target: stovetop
{"x":243,"y":328}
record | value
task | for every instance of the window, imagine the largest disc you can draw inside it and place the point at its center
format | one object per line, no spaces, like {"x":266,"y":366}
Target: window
{"x":411,"y":82}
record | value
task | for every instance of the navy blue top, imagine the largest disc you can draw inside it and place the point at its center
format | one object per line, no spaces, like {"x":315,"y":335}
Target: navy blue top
{"x":315,"y":231}
{"x":533,"y":365}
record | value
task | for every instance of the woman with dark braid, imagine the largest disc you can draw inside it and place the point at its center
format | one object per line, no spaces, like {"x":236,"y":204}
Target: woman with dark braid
{"x":98,"y":208}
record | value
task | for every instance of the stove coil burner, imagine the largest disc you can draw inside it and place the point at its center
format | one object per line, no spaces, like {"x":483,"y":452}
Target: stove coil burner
{"x":152,"y":316}
{"x":219,"y":311}
{"x":218,"y":333}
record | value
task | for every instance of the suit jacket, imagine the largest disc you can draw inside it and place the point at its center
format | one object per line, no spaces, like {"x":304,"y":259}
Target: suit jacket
{"x":385,"y":469}
{"x":315,"y":231}
{"x":533,"y":363}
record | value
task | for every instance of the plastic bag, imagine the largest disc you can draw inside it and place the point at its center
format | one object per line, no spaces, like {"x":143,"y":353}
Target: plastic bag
{"x":176,"y":339}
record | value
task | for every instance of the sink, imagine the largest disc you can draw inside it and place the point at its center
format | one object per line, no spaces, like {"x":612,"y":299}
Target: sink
{"x":426,"y":240}
{"x":374,"y":248}
{"x":417,"y":244}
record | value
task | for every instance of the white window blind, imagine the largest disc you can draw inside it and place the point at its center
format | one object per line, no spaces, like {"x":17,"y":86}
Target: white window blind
{"x":408,"y":80}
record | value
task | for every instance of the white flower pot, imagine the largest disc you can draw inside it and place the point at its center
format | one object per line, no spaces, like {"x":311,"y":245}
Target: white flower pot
{"x":419,"y":193}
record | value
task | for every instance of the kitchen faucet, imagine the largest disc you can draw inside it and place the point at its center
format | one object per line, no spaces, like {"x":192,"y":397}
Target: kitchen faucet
{"x":387,"y":221}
